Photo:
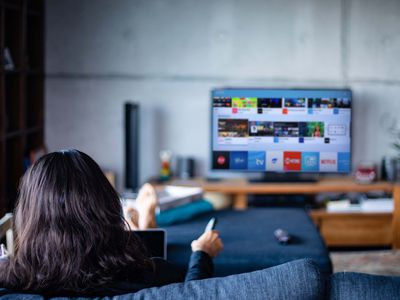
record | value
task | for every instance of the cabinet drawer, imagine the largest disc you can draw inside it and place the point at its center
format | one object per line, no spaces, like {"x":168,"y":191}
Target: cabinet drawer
{"x":356,"y":230}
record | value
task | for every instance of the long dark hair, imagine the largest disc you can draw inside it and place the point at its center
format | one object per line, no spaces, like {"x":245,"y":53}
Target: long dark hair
{"x":70,"y":231}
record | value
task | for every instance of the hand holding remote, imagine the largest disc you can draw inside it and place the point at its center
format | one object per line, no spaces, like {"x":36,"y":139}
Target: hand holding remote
{"x":209,"y":242}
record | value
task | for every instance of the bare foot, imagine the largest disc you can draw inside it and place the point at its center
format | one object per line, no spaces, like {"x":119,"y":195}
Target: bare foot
{"x":146,"y":203}
{"x":132,"y":217}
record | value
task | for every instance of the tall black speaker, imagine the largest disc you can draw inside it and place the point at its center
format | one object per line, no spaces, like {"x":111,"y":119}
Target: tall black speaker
{"x":131,"y":146}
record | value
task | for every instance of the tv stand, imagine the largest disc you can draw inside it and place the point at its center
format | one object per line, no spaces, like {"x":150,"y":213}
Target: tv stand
{"x":285,"y":177}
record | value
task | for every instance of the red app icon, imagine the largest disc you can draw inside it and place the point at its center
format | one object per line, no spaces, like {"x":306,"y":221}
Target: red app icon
{"x":285,"y":111}
{"x":234,"y":110}
{"x":221,"y":160}
{"x":292,"y":161}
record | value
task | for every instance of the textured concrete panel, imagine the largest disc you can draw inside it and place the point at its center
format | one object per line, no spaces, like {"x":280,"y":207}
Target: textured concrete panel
{"x":374,"y":39}
{"x":287,"y":39}
{"x":375,"y":112}
{"x":239,"y":39}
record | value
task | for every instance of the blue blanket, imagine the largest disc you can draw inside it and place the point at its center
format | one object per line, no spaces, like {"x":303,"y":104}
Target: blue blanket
{"x":183,"y":213}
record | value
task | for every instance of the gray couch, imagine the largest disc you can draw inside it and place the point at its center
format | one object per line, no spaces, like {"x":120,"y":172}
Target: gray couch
{"x":300,"y":279}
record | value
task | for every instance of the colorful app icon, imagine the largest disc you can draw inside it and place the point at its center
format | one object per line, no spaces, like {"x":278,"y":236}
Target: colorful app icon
{"x":244,"y":102}
{"x":220,"y":160}
{"x":285,"y":111}
{"x":344,"y":162}
{"x":238,"y":160}
{"x":310,"y":161}
{"x":256,"y":160}
{"x":328,"y":162}
{"x":274,"y":161}
{"x":292,"y":161}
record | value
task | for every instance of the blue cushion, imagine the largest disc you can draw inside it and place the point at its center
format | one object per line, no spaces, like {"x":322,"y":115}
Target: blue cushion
{"x":183,"y":213}
{"x":295,"y":280}
{"x":249,"y":240}
{"x":352,"y":286}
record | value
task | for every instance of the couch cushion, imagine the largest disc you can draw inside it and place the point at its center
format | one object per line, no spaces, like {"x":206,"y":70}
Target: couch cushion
{"x":299,"y":279}
{"x":349,"y":286}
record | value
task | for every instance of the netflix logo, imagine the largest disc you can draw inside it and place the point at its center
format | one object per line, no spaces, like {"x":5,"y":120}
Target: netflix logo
{"x":328,"y":162}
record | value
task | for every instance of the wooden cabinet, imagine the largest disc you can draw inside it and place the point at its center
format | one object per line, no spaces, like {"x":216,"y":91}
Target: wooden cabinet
{"x":354,"y":228}
{"x":21,"y":91}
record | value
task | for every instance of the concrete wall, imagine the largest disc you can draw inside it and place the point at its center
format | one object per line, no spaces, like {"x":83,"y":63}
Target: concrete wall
{"x":168,"y":54}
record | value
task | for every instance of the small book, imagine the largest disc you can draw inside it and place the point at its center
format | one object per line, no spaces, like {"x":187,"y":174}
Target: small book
{"x":384,"y":205}
{"x":342,"y":206}
{"x":381,"y":205}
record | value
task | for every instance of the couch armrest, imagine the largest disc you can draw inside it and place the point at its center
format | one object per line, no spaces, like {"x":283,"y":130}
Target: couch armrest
{"x":352,"y":286}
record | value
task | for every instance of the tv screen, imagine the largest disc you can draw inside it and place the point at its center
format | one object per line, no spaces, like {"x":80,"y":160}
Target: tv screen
{"x":281,"y":130}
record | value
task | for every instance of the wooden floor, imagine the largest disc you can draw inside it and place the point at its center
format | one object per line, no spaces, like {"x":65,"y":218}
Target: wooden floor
{"x":379,"y":262}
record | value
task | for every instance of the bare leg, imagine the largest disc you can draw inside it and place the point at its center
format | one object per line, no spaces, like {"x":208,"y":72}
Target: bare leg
{"x":146,"y":203}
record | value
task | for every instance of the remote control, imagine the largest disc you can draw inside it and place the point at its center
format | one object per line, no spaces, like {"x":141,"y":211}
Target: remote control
{"x":211,"y":224}
{"x":282,"y":236}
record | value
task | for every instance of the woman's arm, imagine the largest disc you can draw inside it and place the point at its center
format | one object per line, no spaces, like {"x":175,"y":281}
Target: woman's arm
{"x":201,"y":265}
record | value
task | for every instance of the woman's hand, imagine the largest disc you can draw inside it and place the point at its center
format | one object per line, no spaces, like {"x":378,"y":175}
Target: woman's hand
{"x":209,"y":242}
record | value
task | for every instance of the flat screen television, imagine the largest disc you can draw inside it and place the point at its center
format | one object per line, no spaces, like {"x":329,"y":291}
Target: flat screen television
{"x":281,"y":130}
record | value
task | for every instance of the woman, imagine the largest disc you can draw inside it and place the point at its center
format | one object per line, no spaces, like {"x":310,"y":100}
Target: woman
{"x":317,"y":131}
{"x":71,"y":237}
